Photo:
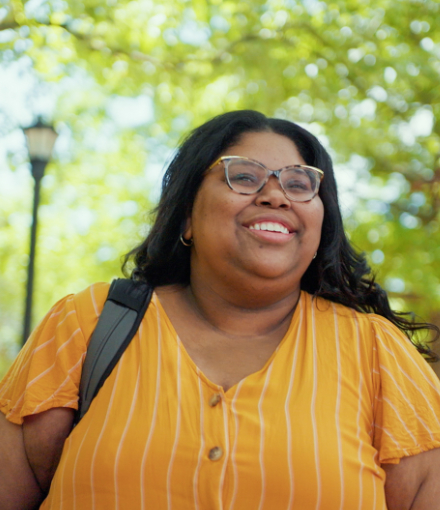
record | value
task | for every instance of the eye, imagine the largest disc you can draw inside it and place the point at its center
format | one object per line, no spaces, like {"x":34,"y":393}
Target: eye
{"x":245,"y":175}
{"x":243,"y":178}
{"x":298,"y":184}
{"x":296,"y":180}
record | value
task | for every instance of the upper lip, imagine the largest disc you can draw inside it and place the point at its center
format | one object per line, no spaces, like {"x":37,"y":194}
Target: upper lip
{"x":272,"y":219}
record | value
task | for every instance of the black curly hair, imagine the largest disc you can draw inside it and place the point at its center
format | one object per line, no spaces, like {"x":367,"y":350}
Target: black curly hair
{"x":338,"y":273}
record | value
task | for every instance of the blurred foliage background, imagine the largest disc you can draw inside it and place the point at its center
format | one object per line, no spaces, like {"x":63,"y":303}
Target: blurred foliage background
{"x":123,"y":80}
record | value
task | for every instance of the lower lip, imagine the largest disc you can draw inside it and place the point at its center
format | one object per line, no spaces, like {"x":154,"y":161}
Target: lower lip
{"x":275,"y":237}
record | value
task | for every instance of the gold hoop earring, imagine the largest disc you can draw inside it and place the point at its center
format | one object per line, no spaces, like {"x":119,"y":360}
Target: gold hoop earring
{"x":185,"y":242}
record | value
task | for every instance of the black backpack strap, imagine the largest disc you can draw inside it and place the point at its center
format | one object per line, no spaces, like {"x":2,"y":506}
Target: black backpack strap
{"x":120,"y":318}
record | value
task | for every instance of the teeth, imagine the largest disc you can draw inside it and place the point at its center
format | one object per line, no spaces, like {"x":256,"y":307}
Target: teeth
{"x":269,"y":226}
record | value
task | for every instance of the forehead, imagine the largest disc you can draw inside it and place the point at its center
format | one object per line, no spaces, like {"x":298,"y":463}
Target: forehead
{"x":273,"y":150}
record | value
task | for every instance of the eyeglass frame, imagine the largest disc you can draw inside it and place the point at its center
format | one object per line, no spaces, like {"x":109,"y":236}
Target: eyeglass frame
{"x":226,"y":159}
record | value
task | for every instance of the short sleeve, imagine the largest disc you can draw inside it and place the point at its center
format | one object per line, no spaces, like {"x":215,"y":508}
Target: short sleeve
{"x":407,"y":396}
{"x":47,"y":371}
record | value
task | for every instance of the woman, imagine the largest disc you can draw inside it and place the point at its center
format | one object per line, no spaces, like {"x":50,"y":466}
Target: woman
{"x":257,"y":380}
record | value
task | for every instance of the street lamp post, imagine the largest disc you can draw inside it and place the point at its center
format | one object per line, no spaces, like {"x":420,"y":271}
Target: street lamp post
{"x":40,"y":140}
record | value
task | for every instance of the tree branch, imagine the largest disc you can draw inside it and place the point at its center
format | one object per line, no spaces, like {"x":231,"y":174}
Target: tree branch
{"x":9,"y":24}
{"x":134,"y":55}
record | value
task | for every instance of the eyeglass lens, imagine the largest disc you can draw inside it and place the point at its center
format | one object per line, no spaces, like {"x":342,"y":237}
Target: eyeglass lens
{"x":299,"y":183}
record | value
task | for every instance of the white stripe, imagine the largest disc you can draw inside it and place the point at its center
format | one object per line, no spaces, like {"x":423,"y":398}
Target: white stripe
{"x":74,"y":466}
{"x":71,"y":403}
{"x":416,"y":386}
{"x":202,"y":445}
{"x":388,"y":433}
{"x":358,"y":418}
{"x":55,"y":314}
{"x":23,"y":367}
{"x":261,"y":456}
{"x":287,"y":409}
{"x":226,"y":455}
{"x":388,"y":401}
{"x":67,"y":299}
{"x":408,"y":345}
{"x":92,"y":295}
{"x":45,"y":344}
{"x":39,"y":376}
{"x":61,"y":483}
{"x":65,"y":317}
{"x":338,"y":406}
{"x":385,"y":369}
{"x":423,"y":395}
{"x":32,"y":354}
{"x":385,"y":324}
{"x":156,"y":401}
{"x":5,"y":386}
{"x":234,"y":448}
{"x":176,"y":437}
{"x":313,"y":410}
{"x":92,"y":464}
{"x":124,"y":433}
{"x":373,"y":476}
{"x":75,"y":366}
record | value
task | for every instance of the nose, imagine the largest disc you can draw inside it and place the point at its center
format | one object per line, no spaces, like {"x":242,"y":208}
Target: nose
{"x":272,"y":195}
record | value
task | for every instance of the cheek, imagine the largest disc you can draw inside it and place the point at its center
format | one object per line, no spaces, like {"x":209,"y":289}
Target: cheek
{"x":222,"y":208}
{"x":320,"y":220}
{"x":211,"y":215}
{"x":316,"y":218}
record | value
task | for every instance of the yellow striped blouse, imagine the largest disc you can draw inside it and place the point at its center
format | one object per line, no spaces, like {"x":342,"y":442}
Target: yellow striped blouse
{"x":343,"y":393}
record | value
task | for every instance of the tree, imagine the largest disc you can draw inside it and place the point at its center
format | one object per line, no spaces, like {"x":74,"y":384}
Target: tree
{"x":363,"y":77}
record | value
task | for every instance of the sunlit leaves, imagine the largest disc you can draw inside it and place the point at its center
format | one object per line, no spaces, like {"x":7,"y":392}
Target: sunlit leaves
{"x":362,"y":75}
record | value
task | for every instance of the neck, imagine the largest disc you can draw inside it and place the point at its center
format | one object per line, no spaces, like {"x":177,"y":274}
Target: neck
{"x":240,"y":310}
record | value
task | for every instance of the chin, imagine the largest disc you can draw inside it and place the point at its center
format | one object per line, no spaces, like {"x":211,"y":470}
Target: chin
{"x":273,"y":271}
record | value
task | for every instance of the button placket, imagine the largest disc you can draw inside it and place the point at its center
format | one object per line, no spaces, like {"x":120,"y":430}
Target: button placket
{"x":214,"y":400}
{"x":215,"y":453}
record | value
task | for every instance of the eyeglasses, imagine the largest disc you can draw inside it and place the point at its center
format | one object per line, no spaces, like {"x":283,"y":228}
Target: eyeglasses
{"x":300,"y":183}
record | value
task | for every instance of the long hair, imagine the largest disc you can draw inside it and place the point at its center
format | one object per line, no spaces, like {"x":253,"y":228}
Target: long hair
{"x":338,"y":273}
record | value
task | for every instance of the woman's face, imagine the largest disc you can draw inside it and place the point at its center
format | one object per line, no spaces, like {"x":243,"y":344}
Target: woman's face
{"x":224,"y":224}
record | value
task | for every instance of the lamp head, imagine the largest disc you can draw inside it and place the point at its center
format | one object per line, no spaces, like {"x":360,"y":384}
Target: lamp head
{"x":40,"y":140}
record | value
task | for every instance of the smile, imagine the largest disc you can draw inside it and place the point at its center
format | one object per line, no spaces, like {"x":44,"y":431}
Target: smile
{"x":269,"y":226}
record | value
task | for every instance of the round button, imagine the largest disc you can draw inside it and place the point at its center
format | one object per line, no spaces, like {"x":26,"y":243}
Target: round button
{"x":215,"y":453}
{"x":214,"y":400}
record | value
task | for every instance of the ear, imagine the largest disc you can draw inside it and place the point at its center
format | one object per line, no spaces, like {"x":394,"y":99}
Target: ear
{"x":187,"y":229}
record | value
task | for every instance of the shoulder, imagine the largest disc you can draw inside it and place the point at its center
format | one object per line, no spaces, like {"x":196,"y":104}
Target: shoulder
{"x":88,"y":305}
{"x":394,"y":348}
{"x":326,"y":311}
{"x":72,"y":315}
{"x":91,"y":298}
{"x":47,"y":371}
{"x":376,"y":333}
{"x":93,"y":295}
{"x":369,"y":323}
